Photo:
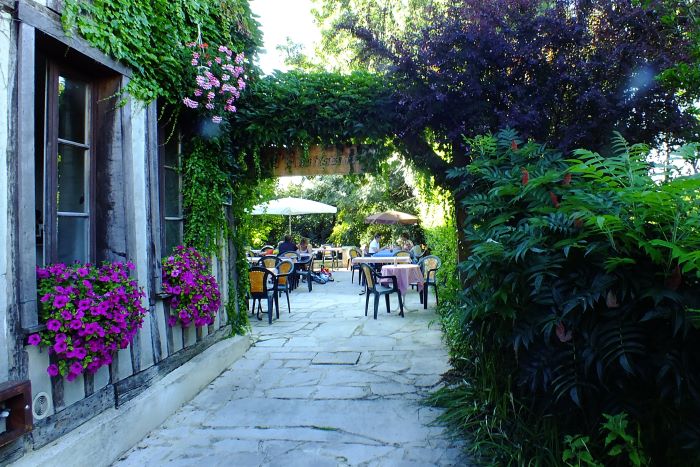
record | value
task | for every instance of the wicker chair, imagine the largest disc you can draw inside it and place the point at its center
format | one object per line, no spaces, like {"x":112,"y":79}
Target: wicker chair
{"x":374,"y":287}
{"x":262,"y":285}
{"x":402,"y":253}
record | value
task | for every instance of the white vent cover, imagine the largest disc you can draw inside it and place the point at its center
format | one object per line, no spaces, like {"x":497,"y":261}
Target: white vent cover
{"x":41,"y":406}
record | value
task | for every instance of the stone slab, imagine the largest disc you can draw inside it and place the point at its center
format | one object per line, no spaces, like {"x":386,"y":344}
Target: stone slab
{"x":336,"y":358}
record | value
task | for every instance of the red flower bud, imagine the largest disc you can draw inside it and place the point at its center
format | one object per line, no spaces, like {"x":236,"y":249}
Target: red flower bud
{"x":675,"y":279}
{"x":554,"y":199}
{"x":562,"y":333}
{"x":526,"y":176}
{"x":514,"y":145}
{"x":567,"y":180}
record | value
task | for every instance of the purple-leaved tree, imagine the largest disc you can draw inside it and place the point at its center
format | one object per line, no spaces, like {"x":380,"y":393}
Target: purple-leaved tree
{"x":567,"y":73}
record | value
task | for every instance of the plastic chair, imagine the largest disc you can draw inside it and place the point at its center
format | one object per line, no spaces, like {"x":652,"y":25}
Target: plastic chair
{"x":304,"y":268}
{"x":354,"y":253}
{"x":285,"y":269}
{"x":374,"y":287}
{"x":331,"y":255}
{"x":294,"y":257}
{"x":429,"y":265}
{"x":262,"y":285}
{"x":269,"y":262}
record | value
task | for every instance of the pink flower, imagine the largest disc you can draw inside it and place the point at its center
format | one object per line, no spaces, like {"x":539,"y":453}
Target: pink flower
{"x":34,"y":339}
{"x":53,"y":325}
{"x":190,"y":103}
{"x":216,"y":119}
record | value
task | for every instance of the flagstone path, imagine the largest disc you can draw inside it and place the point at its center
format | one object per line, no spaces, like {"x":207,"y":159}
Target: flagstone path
{"x":322,"y":386}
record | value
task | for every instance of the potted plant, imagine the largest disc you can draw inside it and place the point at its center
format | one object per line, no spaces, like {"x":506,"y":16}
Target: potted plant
{"x":218,"y":80}
{"x":90,"y":312}
{"x":193,"y":294}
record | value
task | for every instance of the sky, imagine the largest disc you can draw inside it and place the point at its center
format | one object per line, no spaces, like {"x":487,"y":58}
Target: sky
{"x":280,"y":19}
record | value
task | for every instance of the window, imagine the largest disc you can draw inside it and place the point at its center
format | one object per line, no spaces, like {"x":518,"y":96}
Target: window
{"x":64,"y":166}
{"x":171,"y":192}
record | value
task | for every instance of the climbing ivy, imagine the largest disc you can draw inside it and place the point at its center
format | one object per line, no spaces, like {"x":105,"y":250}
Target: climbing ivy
{"x":148,"y":36}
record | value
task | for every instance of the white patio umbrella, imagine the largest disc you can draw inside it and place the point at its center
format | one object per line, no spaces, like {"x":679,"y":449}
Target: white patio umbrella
{"x":293,"y":207}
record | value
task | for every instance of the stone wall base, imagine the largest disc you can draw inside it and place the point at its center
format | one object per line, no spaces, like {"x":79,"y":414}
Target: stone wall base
{"x":103,"y":439}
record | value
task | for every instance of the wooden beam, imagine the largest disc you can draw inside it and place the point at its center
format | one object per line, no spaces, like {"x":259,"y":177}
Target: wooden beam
{"x":26,"y":205}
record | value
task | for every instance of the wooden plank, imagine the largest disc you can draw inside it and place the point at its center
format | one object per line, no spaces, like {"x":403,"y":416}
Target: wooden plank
{"x":65,"y":421}
{"x":89,"y":382}
{"x":321,"y":160}
{"x":26,"y":205}
{"x":49,"y":22}
{"x":56,"y":388}
{"x":132,"y":386}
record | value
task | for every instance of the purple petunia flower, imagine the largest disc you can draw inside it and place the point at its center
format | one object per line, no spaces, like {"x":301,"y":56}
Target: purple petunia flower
{"x":60,"y":347}
{"x":60,"y":301}
{"x":52,"y":370}
{"x":53,"y":325}
{"x":34,"y":339}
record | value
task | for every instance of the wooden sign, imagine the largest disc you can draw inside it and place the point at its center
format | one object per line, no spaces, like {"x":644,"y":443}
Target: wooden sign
{"x":320,"y":160}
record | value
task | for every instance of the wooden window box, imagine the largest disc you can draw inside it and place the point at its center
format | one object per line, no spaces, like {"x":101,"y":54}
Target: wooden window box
{"x":15,"y":398}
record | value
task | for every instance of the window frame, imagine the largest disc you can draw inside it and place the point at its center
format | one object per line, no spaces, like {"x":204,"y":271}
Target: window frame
{"x":55,"y":69}
{"x":164,"y":137}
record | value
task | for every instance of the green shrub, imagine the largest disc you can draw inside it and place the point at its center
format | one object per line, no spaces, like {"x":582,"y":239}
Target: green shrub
{"x":584,"y":282}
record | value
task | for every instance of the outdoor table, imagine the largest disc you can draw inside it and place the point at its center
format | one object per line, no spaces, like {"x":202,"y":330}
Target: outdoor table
{"x":381,"y":259}
{"x":405,"y":275}
{"x":386,"y":253}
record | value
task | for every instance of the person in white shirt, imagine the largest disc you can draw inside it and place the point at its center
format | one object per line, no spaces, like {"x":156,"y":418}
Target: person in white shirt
{"x":374,"y":244}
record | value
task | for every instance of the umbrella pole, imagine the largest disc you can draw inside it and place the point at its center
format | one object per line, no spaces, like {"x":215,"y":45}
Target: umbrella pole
{"x":290,"y":224}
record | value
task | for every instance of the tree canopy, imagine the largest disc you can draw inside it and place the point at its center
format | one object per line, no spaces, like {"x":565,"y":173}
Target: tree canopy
{"x":567,"y":73}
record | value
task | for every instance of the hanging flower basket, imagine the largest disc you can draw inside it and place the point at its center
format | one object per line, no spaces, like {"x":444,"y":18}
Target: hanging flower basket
{"x":218,"y":80}
{"x":194,"y":294}
{"x":90,"y":312}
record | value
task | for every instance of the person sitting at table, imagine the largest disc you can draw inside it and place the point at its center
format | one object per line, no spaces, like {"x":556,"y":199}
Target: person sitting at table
{"x":305,"y":247}
{"x":404,"y":243}
{"x":287,"y":245}
{"x":374,"y":244}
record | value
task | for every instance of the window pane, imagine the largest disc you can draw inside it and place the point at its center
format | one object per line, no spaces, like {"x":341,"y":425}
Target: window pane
{"x":171,"y":152}
{"x":72,"y":179}
{"x":72,"y":238}
{"x":172,"y":193}
{"x":72,"y":111}
{"x":173,"y":236}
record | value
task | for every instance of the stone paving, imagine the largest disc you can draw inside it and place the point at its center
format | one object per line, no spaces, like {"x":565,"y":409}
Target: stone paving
{"x":322,"y":386}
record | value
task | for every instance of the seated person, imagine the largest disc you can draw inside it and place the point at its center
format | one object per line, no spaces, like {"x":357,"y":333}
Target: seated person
{"x":404,"y":243}
{"x":305,"y":247}
{"x":374,"y":244}
{"x":287,"y":245}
